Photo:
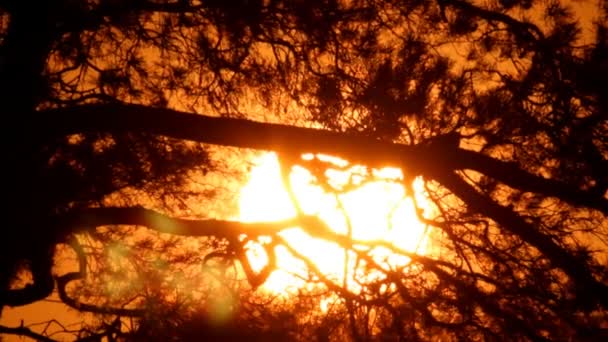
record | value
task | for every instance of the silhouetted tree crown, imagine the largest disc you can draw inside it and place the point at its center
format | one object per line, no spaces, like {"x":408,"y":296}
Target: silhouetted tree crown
{"x":120,"y":117}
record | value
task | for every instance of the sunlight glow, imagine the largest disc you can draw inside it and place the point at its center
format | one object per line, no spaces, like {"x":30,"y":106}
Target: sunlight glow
{"x":375,"y":206}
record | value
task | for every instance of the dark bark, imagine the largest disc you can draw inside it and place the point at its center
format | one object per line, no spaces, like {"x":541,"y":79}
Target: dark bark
{"x":86,"y":219}
{"x":416,"y":160}
{"x":588,"y":290}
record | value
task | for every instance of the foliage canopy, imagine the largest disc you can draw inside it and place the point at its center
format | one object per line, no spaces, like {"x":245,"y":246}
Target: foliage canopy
{"x":120,"y":115}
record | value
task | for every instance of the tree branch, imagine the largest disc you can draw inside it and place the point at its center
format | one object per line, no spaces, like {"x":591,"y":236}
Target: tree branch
{"x":418,"y":160}
{"x":525,"y":31}
{"x":587,"y":288}
{"x":62,"y":283}
{"x":24,"y":331}
{"x":515,"y":177}
{"x":93,"y":217}
{"x":80,"y":220}
{"x":222,"y":131}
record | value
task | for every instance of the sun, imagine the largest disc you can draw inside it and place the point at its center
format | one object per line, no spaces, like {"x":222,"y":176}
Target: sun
{"x":370,"y":206}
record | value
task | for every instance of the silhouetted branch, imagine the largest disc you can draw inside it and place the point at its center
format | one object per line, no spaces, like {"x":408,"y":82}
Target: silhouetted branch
{"x":524,"y":31}
{"x":24,"y":331}
{"x":418,"y":160}
{"x":79,"y":220}
{"x":221,"y":131}
{"x":256,"y":279}
{"x":94,"y":217}
{"x":62,"y":282}
{"x":510,"y":174}
{"x":509,"y":220}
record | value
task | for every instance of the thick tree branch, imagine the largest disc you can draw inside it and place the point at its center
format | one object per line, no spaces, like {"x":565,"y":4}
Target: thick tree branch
{"x":90,"y":218}
{"x":222,"y":131}
{"x":231,"y":230}
{"x":418,"y":160}
{"x":93,"y":217}
{"x":588,"y":289}
{"x":512,"y":175}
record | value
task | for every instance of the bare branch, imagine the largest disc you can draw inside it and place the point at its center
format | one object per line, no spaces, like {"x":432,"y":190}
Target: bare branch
{"x":418,"y":160}
{"x":587,"y":287}
{"x":91,"y":218}
{"x":24,"y":331}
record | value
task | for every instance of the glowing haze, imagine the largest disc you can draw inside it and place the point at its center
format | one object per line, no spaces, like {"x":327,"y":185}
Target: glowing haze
{"x":374,"y":210}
